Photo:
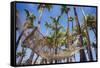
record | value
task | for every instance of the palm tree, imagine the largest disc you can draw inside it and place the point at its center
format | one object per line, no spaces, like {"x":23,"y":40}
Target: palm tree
{"x":41,"y":8}
{"x":91,"y":23}
{"x":82,"y":53}
{"x":66,"y":9}
{"x":29,"y":20}
{"x":54,"y":38}
{"x":87,"y":36}
{"x":28,"y":24}
{"x":70,"y":18}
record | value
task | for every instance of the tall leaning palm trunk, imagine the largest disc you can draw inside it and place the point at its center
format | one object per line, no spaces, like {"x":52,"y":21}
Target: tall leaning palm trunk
{"x":56,"y":42}
{"x":19,"y":38}
{"x":87,"y":36}
{"x":68,"y":41}
{"x":41,"y":8}
{"x":66,"y":9}
{"x":71,"y":20}
{"x":82,"y":53}
{"x":17,"y":28}
{"x":73,"y":41}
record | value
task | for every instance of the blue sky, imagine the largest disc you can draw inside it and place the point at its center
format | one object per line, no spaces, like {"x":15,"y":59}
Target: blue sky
{"x":54,"y":12}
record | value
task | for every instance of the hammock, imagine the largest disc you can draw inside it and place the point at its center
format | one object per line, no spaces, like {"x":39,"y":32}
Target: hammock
{"x":38,"y":47}
{"x":62,"y":54}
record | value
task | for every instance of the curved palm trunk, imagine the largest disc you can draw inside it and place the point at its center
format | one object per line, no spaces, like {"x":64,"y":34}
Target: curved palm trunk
{"x":17,"y":43}
{"x":82,"y":53}
{"x":88,"y":39}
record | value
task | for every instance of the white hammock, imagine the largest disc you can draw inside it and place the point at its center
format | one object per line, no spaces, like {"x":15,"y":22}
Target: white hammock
{"x":67,"y":52}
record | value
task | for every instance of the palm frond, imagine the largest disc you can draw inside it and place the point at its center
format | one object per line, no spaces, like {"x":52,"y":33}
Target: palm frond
{"x":27,"y":12}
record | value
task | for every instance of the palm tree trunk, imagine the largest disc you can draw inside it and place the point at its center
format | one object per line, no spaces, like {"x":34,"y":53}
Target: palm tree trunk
{"x":45,"y":61}
{"x":88,"y":46}
{"x":55,"y":45}
{"x":87,"y":36}
{"x":30,"y":59}
{"x":55,"y":54}
{"x":17,"y":43}
{"x":95,"y":33}
{"x":22,"y":56}
{"x":68,"y":31}
{"x":42,"y":61}
{"x":68,"y":36}
{"x":72,"y":41}
{"x":82,"y":53}
{"x":39,"y":21}
{"x":36,"y":59}
{"x":74,"y":57}
{"x":72,"y":26}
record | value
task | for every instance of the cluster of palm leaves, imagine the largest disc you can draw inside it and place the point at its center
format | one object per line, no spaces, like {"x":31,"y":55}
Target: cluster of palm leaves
{"x":60,"y":45}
